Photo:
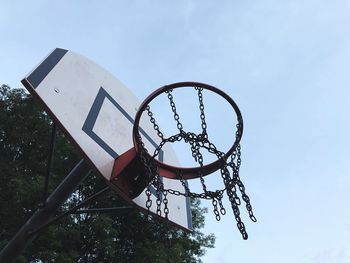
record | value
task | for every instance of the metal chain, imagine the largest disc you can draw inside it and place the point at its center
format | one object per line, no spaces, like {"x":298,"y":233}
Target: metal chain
{"x":173,"y":108}
{"x":158,"y":200}
{"x":202,"y":115}
{"x":165,"y":202}
{"x":149,"y":201}
{"x":245,"y":197}
{"x":215,"y":210}
{"x":153,"y":121}
{"x":197,"y":142}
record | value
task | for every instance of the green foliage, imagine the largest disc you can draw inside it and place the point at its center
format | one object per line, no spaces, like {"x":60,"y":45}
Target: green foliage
{"x":109,"y":237}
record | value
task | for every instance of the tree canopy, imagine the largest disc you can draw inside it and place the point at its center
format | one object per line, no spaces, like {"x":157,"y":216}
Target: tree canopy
{"x":97,"y":237}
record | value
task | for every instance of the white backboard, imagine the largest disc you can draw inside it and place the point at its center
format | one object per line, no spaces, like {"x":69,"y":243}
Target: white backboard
{"x":96,"y":111}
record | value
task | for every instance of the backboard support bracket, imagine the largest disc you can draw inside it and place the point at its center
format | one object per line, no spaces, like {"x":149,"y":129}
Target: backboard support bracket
{"x":128,"y":174}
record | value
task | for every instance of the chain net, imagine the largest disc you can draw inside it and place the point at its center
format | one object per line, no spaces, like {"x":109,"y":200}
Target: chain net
{"x":229,"y":168}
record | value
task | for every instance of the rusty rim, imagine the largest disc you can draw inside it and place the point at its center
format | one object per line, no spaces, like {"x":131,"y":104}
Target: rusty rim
{"x":188,"y":172}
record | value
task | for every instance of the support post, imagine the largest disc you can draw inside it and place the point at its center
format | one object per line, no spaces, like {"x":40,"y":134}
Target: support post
{"x":50,"y":161}
{"x":20,"y":241}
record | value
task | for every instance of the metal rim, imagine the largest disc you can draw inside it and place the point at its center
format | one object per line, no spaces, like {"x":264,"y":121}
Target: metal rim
{"x":188,"y":172}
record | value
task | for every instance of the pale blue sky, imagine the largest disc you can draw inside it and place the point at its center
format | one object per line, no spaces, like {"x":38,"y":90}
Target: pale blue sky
{"x":286,"y":64}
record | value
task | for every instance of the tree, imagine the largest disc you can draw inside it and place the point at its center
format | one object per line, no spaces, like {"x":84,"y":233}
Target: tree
{"x":108,"y":237}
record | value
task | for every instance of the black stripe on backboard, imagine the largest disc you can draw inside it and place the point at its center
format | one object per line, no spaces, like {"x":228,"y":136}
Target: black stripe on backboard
{"x":37,"y":76}
{"x":92,"y":118}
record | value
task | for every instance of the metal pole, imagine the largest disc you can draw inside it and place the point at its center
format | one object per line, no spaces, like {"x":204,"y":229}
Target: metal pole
{"x":54,"y":220}
{"x":50,"y":161}
{"x":20,"y":241}
{"x":115,"y":210}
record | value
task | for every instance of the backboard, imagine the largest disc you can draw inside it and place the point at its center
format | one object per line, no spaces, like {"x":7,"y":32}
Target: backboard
{"x":96,"y":112}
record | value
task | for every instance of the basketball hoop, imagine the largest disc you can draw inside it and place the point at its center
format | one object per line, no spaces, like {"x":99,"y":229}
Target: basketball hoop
{"x":151,"y":170}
